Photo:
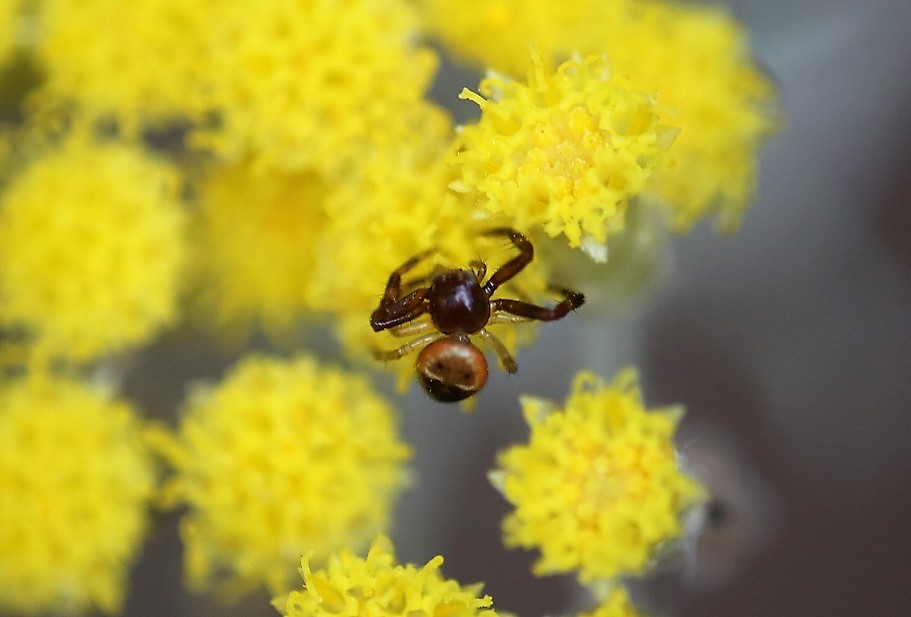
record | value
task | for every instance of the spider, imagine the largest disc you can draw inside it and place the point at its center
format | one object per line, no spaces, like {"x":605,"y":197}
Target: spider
{"x":450,"y":367}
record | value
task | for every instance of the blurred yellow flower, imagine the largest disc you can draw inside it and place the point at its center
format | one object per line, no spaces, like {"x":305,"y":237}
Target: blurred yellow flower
{"x":256,"y":235}
{"x":616,"y":604}
{"x":379,"y":587}
{"x":9,"y":14}
{"x":496,"y":34}
{"x":694,"y":59}
{"x":280,"y":459}
{"x":136,"y":60}
{"x":76,"y":484}
{"x":598,"y":488}
{"x":564,"y":152}
{"x":91,"y":248}
{"x":697,"y":59}
{"x":309,"y":85}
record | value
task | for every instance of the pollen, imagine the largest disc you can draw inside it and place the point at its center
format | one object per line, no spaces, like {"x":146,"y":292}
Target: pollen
{"x":77,"y":482}
{"x":378,"y":586}
{"x":598,"y":488}
{"x":282,"y":458}
{"x":91,"y":249}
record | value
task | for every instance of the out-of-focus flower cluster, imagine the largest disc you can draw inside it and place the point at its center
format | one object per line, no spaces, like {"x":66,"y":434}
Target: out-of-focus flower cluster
{"x":314,"y":463}
{"x":262,"y":168}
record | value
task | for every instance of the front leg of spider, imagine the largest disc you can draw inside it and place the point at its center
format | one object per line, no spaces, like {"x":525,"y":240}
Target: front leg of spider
{"x":450,"y":367}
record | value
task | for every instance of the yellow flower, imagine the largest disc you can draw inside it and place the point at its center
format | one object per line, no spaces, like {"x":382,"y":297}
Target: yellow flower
{"x":76,"y":484}
{"x":256,"y":235}
{"x":280,"y":459}
{"x":135,"y":60}
{"x":695,"y":59}
{"x":308,"y":85}
{"x":617,"y":604}
{"x":9,"y":15}
{"x":379,"y":587}
{"x":563,"y":153}
{"x":698,"y":61}
{"x":496,"y":34}
{"x":91,"y":247}
{"x":598,"y":488}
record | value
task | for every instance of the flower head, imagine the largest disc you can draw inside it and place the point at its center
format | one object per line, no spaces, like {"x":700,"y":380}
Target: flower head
{"x":616,"y":604}
{"x":697,"y":60}
{"x":597,"y":489}
{"x":256,"y":236}
{"x":135,"y":60}
{"x":376,"y":585}
{"x":282,"y":458}
{"x":309,"y":85}
{"x":694,"y":59}
{"x":91,"y":248}
{"x":76,"y":485}
{"x":564,"y":152}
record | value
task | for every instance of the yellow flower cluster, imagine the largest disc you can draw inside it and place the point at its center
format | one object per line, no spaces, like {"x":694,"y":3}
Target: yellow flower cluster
{"x":617,"y":604}
{"x":379,"y":587}
{"x":280,"y":459}
{"x":135,"y":60}
{"x":312,"y":85}
{"x":697,"y":60}
{"x":694,"y":59}
{"x":564,"y":152}
{"x":76,"y":485}
{"x":598,"y":488}
{"x":9,"y":13}
{"x":255,"y":246}
{"x":91,"y":248}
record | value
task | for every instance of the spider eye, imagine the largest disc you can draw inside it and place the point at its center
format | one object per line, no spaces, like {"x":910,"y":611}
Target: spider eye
{"x":451,"y":370}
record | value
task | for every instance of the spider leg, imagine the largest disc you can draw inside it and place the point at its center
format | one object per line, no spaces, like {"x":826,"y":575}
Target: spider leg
{"x":393,"y":285}
{"x":572,"y":300}
{"x":514,"y":265}
{"x":394,"y":309}
{"x":504,"y":317}
{"x":400,"y":311}
{"x":412,"y":328}
{"x":407,"y":348}
{"x":506,"y":360}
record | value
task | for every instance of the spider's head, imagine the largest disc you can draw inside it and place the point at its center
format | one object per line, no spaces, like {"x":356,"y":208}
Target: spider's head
{"x":451,"y":369}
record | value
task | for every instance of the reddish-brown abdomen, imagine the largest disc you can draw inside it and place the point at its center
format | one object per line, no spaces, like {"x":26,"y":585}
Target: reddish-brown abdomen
{"x":451,"y":369}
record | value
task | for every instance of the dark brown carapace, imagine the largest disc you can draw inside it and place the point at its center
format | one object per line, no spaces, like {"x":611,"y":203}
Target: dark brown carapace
{"x":450,"y":367}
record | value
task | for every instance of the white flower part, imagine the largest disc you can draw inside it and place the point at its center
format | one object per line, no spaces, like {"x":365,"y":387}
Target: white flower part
{"x":594,"y":249}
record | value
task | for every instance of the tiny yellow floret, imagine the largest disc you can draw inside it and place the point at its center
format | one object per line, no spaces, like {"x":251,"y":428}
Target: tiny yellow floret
{"x":376,"y":586}
{"x":77,"y":481}
{"x":282,"y":458}
{"x":563,"y":152}
{"x":598,"y":487}
{"x":91,"y":248}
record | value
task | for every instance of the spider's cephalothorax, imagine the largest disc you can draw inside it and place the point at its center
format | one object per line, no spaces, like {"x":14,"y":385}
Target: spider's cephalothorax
{"x":450,"y":367}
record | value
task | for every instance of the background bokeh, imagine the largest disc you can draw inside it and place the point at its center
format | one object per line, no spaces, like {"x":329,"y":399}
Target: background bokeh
{"x":788,"y":342}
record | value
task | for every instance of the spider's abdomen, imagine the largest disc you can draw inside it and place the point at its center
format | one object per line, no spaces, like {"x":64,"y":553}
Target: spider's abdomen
{"x":451,"y":369}
{"x":458,"y":303}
